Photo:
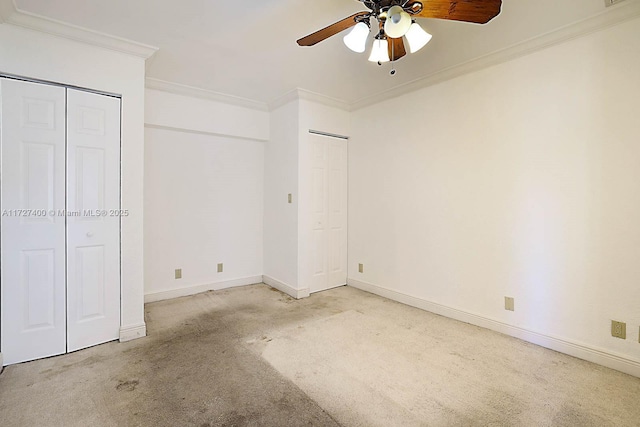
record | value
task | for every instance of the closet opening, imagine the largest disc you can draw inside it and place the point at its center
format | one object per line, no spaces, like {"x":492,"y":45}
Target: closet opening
{"x":60,"y":199}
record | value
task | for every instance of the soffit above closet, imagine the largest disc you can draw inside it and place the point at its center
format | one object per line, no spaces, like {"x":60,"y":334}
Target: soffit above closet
{"x":249,"y":50}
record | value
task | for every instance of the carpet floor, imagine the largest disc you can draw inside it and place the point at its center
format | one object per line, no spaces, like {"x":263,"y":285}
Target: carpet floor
{"x":253,"y":356}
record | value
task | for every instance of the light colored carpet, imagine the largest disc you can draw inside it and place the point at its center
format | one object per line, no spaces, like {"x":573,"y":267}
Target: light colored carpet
{"x":391,"y":365}
{"x":253,"y":356}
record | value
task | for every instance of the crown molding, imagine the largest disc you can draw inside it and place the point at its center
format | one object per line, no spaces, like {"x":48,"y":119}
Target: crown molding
{"x":282,"y":100}
{"x":7,"y":8}
{"x":196,"y":92}
{"x":612,"y":16}
{"x":297,"y":94}
{"x":11,"y":14}
{"x":322,"y":99}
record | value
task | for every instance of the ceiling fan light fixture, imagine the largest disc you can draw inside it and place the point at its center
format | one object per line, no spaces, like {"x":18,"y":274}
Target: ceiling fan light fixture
{"x":417,"y":38}
{"x":356,"y":40}
{"x":380,"y":51}
{"x":397,"y":23}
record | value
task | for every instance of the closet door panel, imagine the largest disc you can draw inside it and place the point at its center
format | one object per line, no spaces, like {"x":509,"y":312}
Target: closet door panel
{"x":337,"y":208}
{"x":93,"y":226}
{"x":32,"y":139}
{"x":319,"y":214}
{"x":328,"y":220}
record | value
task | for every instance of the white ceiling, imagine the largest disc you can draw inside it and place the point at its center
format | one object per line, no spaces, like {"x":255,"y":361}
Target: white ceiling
{"x":248,"y":49}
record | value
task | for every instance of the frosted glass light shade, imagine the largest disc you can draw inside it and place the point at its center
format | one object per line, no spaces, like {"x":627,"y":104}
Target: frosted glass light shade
{"x":380,"y":51}
{"x":417,"y":38}
{"x":356,"y":40}
{"x":398,"y":22}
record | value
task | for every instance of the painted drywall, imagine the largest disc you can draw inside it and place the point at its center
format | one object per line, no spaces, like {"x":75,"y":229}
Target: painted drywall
{"x":203,"y":206}
{"x":164,"y":109}
{"x":287,"y":249}
{"x":38,"y":55}
{"x":204,"y":163}
{"x":323,"y":118}
{"x":280,"y":216}
{"x":518,"y":180}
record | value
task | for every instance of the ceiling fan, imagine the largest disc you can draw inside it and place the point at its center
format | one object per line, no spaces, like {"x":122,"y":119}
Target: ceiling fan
{"x":397,"y":19}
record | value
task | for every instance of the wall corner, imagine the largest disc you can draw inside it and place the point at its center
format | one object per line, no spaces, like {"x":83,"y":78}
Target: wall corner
{"x":7,"y":8}
{"x":286,"y":288}
{"x":130,"y":333}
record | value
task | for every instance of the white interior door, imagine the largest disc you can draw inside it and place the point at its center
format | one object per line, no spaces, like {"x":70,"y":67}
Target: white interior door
{"x":328,"y":212}
{"x":337,"y":210}
{"x":32,"y":139}
{"x":93,"y":221}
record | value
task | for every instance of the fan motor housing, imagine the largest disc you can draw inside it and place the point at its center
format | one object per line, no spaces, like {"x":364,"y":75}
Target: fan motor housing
{"x":383,"y":5}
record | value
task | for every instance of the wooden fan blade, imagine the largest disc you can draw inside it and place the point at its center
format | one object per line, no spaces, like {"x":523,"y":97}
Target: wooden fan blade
{"x":331,"y":30}
{"x":396,"y":49}
{"x":476,"y":11}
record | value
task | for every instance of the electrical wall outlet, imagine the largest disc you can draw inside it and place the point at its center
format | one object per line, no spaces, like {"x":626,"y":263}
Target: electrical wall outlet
{"x":178,"y":273}
{"x":220,"y":267}
{"x":290,"y":198}
{"x":509,"y":304}
{"x":360,"y":268}
{"x":619,"y":330}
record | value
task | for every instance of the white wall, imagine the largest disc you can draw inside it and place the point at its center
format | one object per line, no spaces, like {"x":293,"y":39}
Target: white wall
{"x":40,"y":56}
{"x":166,"y":109}
{"x":281,"y":217}
{"x":287,"y":249}
{"x":519,"y":180}
{"x":204,"y":164}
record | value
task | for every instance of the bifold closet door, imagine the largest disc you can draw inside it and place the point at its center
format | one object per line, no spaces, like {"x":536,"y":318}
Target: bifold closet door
{"x":60,"y":228}
{"x":328,"y":212}
{"x":32,"y":140}
{"x":93,"y":227}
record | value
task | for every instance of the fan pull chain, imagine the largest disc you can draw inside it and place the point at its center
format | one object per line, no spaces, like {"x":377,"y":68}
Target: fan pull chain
{"x":393,"y":55}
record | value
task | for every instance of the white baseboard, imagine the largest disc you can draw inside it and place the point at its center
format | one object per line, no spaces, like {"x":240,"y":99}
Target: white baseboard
{"x":575,"y":349}
{"x":198,"y":289}
{"x":1,"y":362}
{"x":129,"y":333}
{"x":287,"y":289}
